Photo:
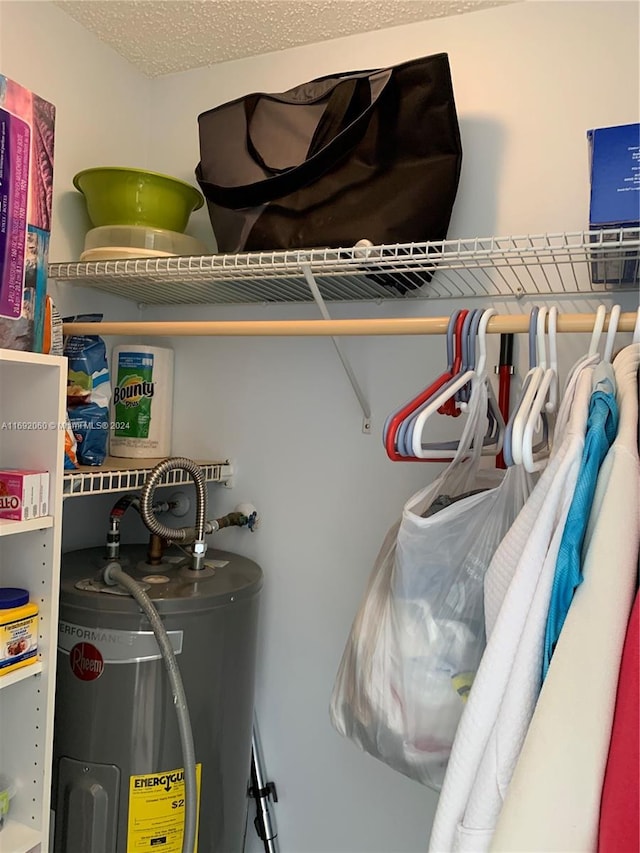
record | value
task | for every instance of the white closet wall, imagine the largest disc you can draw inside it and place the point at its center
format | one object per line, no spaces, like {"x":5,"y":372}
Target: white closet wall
{"x":530,"y":79}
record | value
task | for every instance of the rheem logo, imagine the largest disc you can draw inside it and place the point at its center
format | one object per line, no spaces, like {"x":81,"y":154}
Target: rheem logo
{"x":87,"y":663}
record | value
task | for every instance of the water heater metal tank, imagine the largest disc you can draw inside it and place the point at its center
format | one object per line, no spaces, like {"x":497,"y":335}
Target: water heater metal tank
{"x":118,"y":784}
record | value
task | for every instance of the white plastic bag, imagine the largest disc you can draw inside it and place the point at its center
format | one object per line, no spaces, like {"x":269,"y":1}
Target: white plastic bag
{"x":418,"y":636}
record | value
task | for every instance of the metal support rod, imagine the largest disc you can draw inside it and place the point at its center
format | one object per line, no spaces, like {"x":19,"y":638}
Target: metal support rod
{"x":262,"y":791}
{"x":499,"y":324}
{"x":317,"y":296}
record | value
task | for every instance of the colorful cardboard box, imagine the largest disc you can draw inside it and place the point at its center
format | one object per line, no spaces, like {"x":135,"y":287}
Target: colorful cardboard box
{"x":27,"y":124}
{"x":24,"y":493}
{"x":19,"y":494}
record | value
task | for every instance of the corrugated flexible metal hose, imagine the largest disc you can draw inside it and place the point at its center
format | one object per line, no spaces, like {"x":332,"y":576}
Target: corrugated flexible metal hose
{"x":177,"y":534}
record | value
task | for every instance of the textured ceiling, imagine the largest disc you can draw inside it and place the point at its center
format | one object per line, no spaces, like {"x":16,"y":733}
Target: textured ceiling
{"x":165,"y":36}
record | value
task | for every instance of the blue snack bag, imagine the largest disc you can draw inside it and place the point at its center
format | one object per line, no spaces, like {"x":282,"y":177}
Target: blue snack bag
{"x":90,"y":425}
{"x":88,"y":391}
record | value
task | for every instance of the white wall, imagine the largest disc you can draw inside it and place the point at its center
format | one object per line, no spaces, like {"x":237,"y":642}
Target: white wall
{"x":530,"y":79}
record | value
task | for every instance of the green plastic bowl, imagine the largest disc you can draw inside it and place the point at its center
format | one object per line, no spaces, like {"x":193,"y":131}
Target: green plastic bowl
{"x":122,"y":196}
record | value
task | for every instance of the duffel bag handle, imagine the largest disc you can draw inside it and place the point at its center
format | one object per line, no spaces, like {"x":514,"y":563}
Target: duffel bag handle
{"x":316,"y":164}
{"x":347,"y":101}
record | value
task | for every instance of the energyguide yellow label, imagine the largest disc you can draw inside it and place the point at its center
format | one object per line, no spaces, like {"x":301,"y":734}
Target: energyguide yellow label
{"x":156,"y":811}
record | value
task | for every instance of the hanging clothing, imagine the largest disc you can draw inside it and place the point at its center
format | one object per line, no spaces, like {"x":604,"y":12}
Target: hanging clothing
{"x":620,"y":806}
{"x":602,"y":427}
{"x":517,"y":589}
{"x":553,"y":801}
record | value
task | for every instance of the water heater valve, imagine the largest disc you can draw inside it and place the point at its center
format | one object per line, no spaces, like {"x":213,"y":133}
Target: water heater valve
{"x":251,"y":513}
{"x":244,"y":515}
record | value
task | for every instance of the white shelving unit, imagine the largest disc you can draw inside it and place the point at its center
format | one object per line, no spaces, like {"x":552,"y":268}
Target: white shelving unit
{"x":32,"y":404}
{"x":491,"y":266}
{"x":33,"y":394}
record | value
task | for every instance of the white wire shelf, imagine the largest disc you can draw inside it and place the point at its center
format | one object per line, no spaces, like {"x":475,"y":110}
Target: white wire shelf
{"x":123,"y":475}
{"x":577,"y":262}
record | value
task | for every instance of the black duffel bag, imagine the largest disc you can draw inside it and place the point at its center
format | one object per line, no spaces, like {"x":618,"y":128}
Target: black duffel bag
{"x":372,"y":155}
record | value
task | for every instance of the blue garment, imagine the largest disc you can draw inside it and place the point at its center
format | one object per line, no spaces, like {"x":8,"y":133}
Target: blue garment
{"x":602,"y":427}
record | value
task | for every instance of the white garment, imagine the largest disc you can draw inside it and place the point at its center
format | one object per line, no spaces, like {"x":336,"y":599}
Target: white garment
{"x":553,"y":802}
{"x":502,"y":699}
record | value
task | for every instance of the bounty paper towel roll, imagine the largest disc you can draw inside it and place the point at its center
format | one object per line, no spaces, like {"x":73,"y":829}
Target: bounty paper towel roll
{"x":142,"y":401}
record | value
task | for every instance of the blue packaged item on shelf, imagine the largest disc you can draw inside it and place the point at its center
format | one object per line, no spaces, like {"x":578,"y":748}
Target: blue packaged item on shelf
{"x":614,"y":155}
{"x":88,"y":392}
{"x":90,"y":426}
{"x":615,"y":176}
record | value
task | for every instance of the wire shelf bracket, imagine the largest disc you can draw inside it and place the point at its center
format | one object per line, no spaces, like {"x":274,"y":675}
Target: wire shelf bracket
{"x":317,"y":297}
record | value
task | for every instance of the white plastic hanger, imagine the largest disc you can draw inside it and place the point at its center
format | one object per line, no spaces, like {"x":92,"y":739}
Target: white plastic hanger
{"x":592,"y":353}
{"x":598,"y":326}
{"x":533,"y":361}
{"x":536,"y":376}
{"x":481,"y":365}
{"x":604,"y":377}
{"x":543,"y":401}
{"x":614,"y":319}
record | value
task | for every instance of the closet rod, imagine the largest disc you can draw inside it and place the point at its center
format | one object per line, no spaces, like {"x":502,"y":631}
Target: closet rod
{"x":499,"y":324}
